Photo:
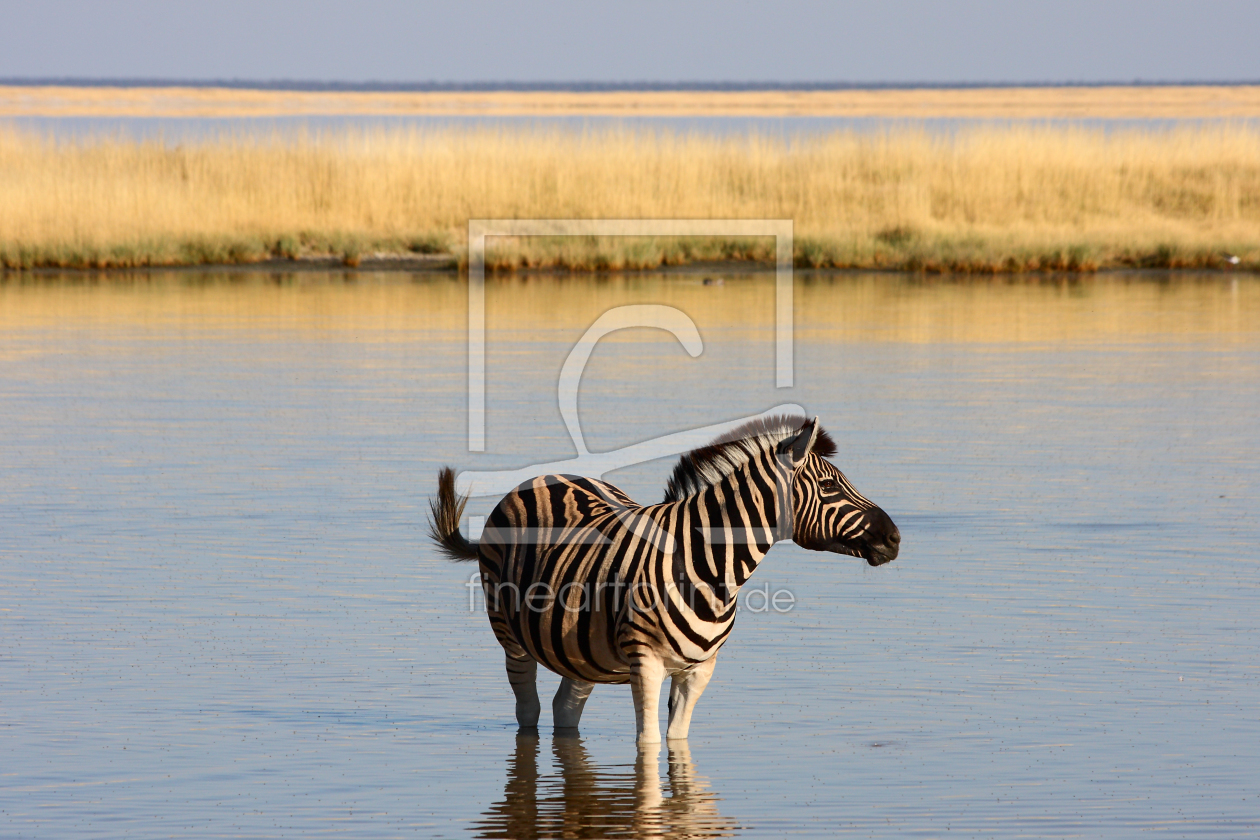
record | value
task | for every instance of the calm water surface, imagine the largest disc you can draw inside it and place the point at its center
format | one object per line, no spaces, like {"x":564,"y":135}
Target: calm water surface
{"x":191,"y":129}
{"x":219,"y":615}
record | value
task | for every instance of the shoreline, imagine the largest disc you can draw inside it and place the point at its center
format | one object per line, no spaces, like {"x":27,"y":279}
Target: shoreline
{"x":682,"y":257}
{"x":451,"y":265}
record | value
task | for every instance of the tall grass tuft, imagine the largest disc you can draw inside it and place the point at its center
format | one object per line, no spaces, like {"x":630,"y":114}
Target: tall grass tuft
{"x":995,"y":199}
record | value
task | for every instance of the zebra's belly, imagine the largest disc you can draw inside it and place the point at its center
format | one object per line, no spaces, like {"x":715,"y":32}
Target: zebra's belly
{"x":590,"y":632}
{"x":597,"y":652}
{"x":579,"y":644}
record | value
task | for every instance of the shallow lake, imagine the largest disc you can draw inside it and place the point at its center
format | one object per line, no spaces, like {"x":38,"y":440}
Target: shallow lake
{"x":175,"y":130}
{"x":219,"y":614}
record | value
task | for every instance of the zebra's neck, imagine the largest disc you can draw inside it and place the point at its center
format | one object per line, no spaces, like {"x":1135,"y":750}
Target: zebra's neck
{"x":734,"y":523}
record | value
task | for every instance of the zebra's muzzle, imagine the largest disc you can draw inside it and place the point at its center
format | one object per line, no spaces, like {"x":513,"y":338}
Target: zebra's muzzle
{"x":881,"y":555}
{"x":883,"y":540}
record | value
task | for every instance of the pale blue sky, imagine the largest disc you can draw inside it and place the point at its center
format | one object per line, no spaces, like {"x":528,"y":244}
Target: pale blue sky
{"x":492,"y":40}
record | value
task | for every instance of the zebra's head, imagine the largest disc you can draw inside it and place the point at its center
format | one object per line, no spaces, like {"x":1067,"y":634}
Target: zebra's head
{"x":828,"y":513}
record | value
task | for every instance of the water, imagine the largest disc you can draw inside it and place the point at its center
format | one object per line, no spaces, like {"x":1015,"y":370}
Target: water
{"x":174,"y":130}
{"x":219,"y":615}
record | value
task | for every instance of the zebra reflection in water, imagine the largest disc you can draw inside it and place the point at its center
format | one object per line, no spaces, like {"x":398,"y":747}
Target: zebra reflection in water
{"x":587,"y":800}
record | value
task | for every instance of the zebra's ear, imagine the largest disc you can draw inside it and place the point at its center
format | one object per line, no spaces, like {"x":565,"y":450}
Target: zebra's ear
{"x":799,"y":447}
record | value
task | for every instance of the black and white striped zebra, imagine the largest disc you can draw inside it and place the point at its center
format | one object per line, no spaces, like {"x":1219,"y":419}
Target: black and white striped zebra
{"x":599,"y":589}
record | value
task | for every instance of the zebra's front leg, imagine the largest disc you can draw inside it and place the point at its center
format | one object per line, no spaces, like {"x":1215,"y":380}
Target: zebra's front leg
{"x":522,"y":676}
{"x":566,"y":706}
{"x":684,"y":690}
{"x":646,"y":675}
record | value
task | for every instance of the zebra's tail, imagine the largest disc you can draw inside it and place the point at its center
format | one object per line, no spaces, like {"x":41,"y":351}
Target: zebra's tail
{"x":444,"y":516}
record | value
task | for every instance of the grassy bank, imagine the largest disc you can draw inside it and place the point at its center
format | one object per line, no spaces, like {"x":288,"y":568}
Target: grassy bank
{"x":997,"y":199}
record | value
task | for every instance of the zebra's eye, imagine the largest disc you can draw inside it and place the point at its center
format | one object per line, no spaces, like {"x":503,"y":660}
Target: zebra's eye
{"x":829,"y":485}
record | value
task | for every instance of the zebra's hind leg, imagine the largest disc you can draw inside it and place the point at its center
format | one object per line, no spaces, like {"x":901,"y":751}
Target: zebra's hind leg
{"x":566,"y":707}
{"x":646,"y":675}
{"x":684,"y":690}
{"x":522,"y":675}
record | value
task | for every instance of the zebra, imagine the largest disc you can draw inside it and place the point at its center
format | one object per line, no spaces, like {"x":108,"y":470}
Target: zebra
{"x":599,"y":589}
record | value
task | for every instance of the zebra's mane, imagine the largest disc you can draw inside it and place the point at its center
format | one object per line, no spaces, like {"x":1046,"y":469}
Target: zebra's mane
{"x":706,"y":466}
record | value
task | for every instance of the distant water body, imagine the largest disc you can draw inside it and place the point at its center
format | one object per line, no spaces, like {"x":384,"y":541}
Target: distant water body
{"x":191,"y":129}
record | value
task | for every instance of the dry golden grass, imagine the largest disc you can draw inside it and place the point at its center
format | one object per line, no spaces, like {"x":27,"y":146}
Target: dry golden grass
{"x":1145,"y":102}
{"x":995,"y":199}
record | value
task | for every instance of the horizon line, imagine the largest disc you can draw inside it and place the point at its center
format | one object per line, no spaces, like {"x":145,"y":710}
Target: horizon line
{"x":576,"y":87}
